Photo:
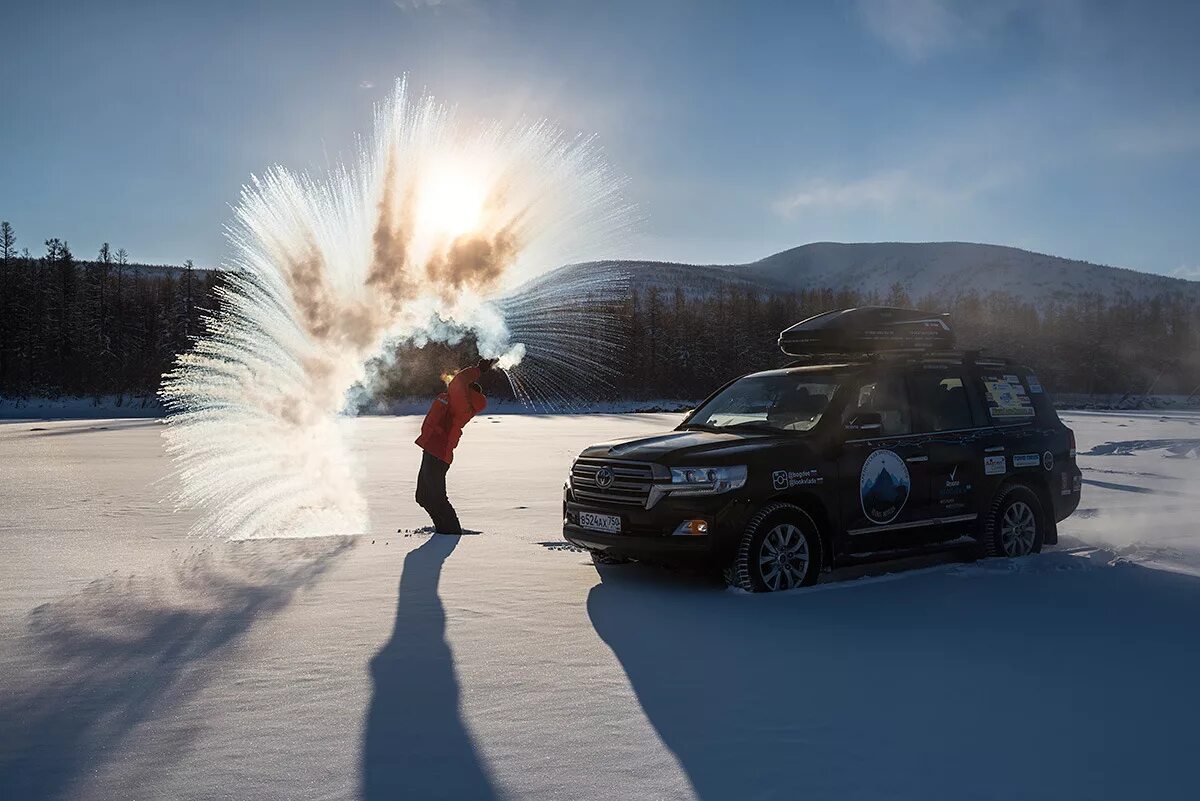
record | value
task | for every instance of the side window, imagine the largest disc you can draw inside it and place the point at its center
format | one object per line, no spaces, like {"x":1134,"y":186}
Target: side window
{"x":941,"y":402}
{"x":886,"y":398}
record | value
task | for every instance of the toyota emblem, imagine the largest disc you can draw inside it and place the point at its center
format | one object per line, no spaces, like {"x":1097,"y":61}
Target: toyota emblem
{"x":604,"y":477}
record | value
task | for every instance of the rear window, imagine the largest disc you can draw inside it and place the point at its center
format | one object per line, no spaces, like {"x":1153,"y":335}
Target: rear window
{"x":1041,"y":398}
{"x":1014,"y":396}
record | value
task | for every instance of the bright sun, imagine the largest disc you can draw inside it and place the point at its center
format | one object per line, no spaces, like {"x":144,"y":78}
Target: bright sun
{"x":451,"y":201}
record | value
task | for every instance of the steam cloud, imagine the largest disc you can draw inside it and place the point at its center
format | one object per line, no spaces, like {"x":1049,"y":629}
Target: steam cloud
{"x":414,"y":241}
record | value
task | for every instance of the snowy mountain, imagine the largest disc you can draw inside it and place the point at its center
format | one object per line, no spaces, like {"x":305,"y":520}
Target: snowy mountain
{"x":927,"y":267}
{"x":920,"y":267}
{"x":694,"y":279}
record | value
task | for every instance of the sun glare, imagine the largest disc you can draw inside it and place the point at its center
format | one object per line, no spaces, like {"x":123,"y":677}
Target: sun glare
{"x":451,"y":201}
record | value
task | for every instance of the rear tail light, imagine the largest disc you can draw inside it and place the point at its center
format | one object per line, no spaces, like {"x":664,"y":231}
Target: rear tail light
{"x":1072,"y":433}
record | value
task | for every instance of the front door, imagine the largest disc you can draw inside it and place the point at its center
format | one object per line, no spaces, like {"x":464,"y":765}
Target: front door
{"x":884,"y":486}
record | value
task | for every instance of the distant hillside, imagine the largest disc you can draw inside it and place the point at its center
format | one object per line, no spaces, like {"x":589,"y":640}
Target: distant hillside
{"x":694,"y":279}
{"x":921,"y":268}
{"x":960,"y":267}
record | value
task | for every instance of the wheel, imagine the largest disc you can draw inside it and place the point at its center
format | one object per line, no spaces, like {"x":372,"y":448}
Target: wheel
{"x":780,"y":550}
{"x":602,"y":558}
{"x":1015,"y":523}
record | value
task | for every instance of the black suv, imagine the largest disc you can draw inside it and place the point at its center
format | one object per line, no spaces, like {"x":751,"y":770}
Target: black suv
{"x":881,"y":441}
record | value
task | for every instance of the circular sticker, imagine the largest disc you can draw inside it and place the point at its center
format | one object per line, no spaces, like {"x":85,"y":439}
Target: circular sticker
{"x":1048,"y":460}
{"x":883,"y":486}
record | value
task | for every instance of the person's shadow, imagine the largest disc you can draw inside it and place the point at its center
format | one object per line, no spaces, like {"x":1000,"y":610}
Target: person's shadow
{"x":125,"y":651}
{"x":416,"y":744}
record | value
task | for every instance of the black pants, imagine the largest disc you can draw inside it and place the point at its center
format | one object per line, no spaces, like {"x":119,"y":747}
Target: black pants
{"x":431,"y":494}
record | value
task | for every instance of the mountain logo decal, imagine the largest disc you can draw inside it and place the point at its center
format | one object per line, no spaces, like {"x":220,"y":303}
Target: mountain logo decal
{"x":883,"y":486}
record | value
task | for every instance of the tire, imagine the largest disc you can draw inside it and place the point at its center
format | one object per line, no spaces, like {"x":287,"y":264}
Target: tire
{"x":1015,"y":524}
{"x":602,"y":558}
{"x":780,"y":549}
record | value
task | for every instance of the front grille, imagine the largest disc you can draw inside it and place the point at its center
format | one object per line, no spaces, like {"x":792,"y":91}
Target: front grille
{"x":630,"y":487}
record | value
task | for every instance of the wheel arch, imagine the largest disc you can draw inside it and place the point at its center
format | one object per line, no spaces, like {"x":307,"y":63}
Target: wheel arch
{"x":816,"y":508}
{"x":1040,"y":486}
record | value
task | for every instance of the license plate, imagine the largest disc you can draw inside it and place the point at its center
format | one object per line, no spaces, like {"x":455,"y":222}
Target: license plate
{"x":608,"y":523}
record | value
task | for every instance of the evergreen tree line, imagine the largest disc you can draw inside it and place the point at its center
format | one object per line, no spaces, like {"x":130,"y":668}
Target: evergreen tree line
{"x":681,"y":346}
{"x":108,"y":328}
{"x":676,"y":345}
{"x":92,"y":328}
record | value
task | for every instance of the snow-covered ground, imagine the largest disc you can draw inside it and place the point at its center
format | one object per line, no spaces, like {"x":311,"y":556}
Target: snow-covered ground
{"x":136,"y":663}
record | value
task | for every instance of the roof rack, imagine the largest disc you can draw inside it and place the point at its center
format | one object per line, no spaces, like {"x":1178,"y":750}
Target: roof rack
{"x":965,"y":357}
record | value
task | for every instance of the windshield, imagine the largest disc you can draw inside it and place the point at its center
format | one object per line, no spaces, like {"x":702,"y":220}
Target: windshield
{"x":777,"y":401}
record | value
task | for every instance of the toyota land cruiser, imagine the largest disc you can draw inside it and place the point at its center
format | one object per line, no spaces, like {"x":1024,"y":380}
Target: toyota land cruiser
{"x":880,"y":441}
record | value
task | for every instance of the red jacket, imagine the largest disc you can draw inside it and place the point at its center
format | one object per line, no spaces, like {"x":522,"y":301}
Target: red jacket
{"x":449,"y":412}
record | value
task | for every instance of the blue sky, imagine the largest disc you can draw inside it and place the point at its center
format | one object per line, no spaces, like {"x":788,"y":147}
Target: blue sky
{"x":1061,"y":126}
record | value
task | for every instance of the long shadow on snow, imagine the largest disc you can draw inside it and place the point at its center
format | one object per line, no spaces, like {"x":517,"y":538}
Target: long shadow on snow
{"x":1091,"y":482}
{"x":92,"y":427}
{"x":1177,"y":447}
{"x":415,"y":744}
{"x":124,"y":650}
{"x":1048,"y":679}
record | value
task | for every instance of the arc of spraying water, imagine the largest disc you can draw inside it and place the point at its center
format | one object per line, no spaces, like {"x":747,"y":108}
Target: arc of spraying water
{"x":434,"y":212}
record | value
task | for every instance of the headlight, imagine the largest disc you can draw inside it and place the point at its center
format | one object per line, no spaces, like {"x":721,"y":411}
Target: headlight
{"x":707,"y":480}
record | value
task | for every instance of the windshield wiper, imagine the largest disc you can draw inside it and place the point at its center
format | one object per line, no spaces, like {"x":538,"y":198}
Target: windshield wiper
{"x":698,"y":426}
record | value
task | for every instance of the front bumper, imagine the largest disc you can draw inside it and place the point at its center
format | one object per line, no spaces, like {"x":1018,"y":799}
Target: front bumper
{"x":664,"y":548}
{"x":648,"y":533}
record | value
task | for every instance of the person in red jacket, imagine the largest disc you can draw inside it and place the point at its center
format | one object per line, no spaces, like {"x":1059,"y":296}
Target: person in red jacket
{"x":440,"y":433}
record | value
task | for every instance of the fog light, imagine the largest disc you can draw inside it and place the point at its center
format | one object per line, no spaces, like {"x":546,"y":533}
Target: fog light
{"x":692,"y":528}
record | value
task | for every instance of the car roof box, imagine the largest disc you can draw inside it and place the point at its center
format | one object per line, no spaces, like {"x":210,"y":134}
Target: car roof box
{"x":869,"y":329}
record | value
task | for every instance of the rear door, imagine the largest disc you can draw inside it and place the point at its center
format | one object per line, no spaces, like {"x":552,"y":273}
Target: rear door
{"x":1010,"y":443}
{"x":883,"y":473}
{"x":948,"y":412}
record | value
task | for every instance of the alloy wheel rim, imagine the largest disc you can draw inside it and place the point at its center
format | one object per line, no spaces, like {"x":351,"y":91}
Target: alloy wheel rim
{"x":1018,"y":528}
{"x":784,"y":557}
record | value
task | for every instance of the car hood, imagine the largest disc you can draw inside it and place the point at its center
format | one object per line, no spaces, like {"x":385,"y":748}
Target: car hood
{"x":675,"y":448}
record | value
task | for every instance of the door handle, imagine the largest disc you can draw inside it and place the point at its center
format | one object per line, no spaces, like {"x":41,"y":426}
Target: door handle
{"x":917,"y":459}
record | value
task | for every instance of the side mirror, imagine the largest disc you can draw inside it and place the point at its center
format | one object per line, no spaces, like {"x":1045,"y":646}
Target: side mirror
{"x":865,"y":421}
